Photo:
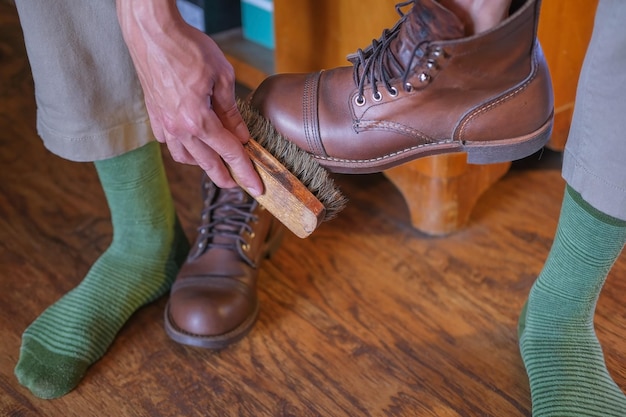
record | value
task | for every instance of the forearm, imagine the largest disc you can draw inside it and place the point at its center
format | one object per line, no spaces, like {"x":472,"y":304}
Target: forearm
{"x":148,"y":17}
{"x":145,"y":23}
{"x":167,"y":52}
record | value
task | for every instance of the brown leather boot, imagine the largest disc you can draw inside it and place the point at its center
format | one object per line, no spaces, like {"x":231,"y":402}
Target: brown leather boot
{"x":213,"y":302}
{"x":423,"y":88}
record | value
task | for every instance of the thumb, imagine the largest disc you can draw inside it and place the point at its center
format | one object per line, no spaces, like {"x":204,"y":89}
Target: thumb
{"x":231,"y":118}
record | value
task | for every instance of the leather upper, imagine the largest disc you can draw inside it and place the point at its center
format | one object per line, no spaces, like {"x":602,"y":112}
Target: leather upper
{"x":423,"y":84}
{"x":215,"y":290}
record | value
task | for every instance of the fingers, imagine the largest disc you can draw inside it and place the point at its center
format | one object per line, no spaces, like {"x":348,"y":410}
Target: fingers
{"x":215,"y":155}
{"x":225,"y":107}
{"x":209,"y":160}
{"x":233,"y":154}
{"x":232,"y":120}
{"x":178,"y":152}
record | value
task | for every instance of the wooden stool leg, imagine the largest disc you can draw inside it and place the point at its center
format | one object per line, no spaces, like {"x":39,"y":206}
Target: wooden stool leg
{"x":441,"y":191}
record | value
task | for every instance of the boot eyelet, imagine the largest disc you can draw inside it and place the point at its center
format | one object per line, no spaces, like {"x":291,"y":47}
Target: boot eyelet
{"x":251,"y":234}
{"x":408,"y":87}
{"x":423,"y":77}
{"x":359,"y":101}
{"x":245,"y":247}
{"x":393,"y":92}
{"x":431,"y":63}
{"x":436,"y":52}
{"x":377,"y":96}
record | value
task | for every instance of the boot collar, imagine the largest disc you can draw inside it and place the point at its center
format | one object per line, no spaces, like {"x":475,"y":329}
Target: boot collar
{"x":401,"y":50}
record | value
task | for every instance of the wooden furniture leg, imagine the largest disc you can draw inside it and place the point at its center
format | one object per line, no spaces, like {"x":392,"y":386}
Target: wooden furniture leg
{"x":441,"y":191}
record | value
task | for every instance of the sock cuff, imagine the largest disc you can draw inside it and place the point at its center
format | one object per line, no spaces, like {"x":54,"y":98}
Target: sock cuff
{"x":603,"y":217}
{"x":136,"y":160}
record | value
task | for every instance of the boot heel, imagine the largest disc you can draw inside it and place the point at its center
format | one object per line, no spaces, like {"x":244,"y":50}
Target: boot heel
{"x":494,"y":152}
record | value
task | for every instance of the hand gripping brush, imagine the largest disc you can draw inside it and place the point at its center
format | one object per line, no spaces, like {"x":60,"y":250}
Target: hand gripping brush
{"x":298,"y":190}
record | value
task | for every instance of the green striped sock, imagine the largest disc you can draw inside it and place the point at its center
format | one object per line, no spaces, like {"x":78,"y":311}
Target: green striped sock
{"x":139,"y":266}
{"x":558,"y":343}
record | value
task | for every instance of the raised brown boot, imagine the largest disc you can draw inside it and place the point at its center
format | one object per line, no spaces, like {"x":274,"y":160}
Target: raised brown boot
{"x":423,"y":88}
{"x":213,"y":302}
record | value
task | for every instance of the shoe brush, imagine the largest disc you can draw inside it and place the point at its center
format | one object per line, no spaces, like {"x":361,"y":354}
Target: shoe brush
{"x":299,"y":192}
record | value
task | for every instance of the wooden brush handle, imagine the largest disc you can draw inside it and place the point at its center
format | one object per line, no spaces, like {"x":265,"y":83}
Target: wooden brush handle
{"x":285,"y":196}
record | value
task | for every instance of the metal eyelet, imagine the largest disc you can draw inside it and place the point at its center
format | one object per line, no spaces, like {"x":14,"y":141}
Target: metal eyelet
{"x":408,"y":87}
{"x":359,"y":101}
{"x":377,"y":96}
{"x":393,"y":92}
{"x":245,"y":247}
{"x":423,"y":77}
{"x":431,"y":63}
{"x":437,"y":51}
{"x":251,"y":234}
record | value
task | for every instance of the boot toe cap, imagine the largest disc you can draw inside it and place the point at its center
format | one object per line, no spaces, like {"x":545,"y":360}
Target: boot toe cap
{"x":279,"y":99}
{"x":209,"y":312}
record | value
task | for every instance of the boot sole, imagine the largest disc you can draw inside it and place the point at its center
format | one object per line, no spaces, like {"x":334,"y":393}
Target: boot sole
{"x":478,"y":152}
{"x":510,"y":149}
{"x":217,"y":342}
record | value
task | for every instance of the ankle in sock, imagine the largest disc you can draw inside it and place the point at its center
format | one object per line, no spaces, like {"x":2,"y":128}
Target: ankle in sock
{"x":139,"y":266}
{"x":559,"y":347}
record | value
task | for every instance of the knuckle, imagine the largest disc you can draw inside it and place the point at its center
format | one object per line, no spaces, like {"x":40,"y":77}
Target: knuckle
{"x":232,"y":111}
{"x":229,"y":71}
{"x":182,"y":127}
{"x":208,"y":166}
{"x":171,"y":126}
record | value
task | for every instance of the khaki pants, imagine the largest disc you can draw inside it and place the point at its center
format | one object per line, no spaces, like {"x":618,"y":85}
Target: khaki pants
{"x":89,"y":101}
{"x":595,"y":154}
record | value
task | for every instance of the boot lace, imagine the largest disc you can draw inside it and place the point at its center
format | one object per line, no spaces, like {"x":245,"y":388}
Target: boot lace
{"x":377,"y":63}
{"x":225,"y":216}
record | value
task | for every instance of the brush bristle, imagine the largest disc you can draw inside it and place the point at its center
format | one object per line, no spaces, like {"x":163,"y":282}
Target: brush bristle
{"x":299,"y":162}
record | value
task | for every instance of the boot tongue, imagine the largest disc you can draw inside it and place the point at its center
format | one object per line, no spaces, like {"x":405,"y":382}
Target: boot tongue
{"x":427,"y":21}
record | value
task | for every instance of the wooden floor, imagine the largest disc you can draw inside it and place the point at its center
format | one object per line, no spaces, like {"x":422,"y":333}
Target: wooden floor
{"x":367,"y":317}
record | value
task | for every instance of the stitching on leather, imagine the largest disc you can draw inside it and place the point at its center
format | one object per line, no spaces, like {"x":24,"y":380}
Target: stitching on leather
{"x":365,"y":125}
{"x":306,"y":108}
{"x":310,"y":116}
{"x":389,"y":155}
{"x":470,"y":117}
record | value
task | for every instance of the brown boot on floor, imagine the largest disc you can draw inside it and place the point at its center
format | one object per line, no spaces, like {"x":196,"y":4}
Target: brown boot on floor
{"x":423,"y":88}
{"x":213,"y":302}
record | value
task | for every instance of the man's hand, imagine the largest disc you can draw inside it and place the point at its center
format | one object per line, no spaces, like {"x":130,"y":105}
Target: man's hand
{"x":189,"y":91}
